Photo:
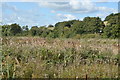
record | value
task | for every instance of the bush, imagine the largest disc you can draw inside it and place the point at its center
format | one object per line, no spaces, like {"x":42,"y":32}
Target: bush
{"x":90,"y":36}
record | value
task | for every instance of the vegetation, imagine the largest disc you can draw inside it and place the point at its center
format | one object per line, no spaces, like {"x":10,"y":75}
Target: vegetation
{"x":108,"y":28}
{"x":34,"y":57}
{"x":68,"y":49}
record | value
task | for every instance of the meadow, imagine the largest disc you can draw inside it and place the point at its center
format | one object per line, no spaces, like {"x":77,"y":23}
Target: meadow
{"x":35,"y":57}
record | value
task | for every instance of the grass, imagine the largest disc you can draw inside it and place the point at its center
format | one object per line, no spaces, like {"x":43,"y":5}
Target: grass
{"x":34,"y":57}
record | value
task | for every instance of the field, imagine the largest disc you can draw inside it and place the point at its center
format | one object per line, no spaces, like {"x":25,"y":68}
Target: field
{"x":35,"y":57}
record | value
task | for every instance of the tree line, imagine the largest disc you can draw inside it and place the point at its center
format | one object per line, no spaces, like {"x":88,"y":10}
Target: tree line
{"x":90,"y":27}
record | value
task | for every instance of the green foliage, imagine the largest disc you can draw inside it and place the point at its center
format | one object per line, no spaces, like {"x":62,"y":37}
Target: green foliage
{"x":25,"y":30}
{"x":11,"y":30}
{"x":78,"y":36}
{"x":89,"y":27}
{"x":94,"y":57}
{"x":15,"y":29}
{"x":112,"y":30}
{"x":92,"y":24}
{"x":34,"y":30}
{"x":90,"y":36}
{"x":50,"y":26}
{"x":6,"y":30}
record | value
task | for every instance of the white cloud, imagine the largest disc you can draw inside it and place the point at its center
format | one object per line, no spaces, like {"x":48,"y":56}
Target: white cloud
{"x":75,"y":6}
{"x":105,"y":9}
{"x":108,"y":0}
{"x":102,"y":16}
{"x":57,"y":0}
{"x":18,"y":18}
{"x":105,"y":12}
{"x":103,"y":0}
{"x":6,"y":6}
{"x":59,"y":14}
{"x":9,"y":23}
{"x":33,"y":0}
{"x":72,"y":6}
{"x":65,"y":17}
{"x":53,"y":11}
{"x":81,"y":19}
{"x":69,"y":17}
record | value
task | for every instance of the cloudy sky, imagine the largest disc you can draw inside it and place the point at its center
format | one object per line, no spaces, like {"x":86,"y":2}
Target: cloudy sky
{"x":41,"y":12}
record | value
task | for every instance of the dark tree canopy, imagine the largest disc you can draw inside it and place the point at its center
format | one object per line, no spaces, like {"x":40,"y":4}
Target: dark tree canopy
{"x":112,"y":29}
{"x":89,"y":27}
{"x":92,"y":24}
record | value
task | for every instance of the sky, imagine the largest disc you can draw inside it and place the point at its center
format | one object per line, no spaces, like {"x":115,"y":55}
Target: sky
{"x":41,"y":13}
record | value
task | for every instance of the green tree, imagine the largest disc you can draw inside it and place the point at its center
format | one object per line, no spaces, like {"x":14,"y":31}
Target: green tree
{"x":50,"y":25}
{"x":15,"y":29}
{"x":25,"y":30}
{"x":63,"y":29}
{"x":34,"y":31}
{"x":93,"y":24}
{"x":78,"y":27}
{"x":6,"y":30}
{"x":112,"y":30}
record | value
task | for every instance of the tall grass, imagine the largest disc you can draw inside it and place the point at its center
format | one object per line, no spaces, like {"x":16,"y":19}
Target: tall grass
{"x":34,"y":57}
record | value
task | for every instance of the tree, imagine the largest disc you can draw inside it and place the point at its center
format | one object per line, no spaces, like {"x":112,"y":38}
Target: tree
{"x":25,"y":30}
{"x":45,"y":32}
{"x":112,"y":30}
{"x":6,"y":30}
{"x":92,"y":24}
{"x":63,"y":29}
{"x":34,"y":30}
{"x":78,"y":27}
{"x":15,"y":29}
{"x":50,"y":26}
